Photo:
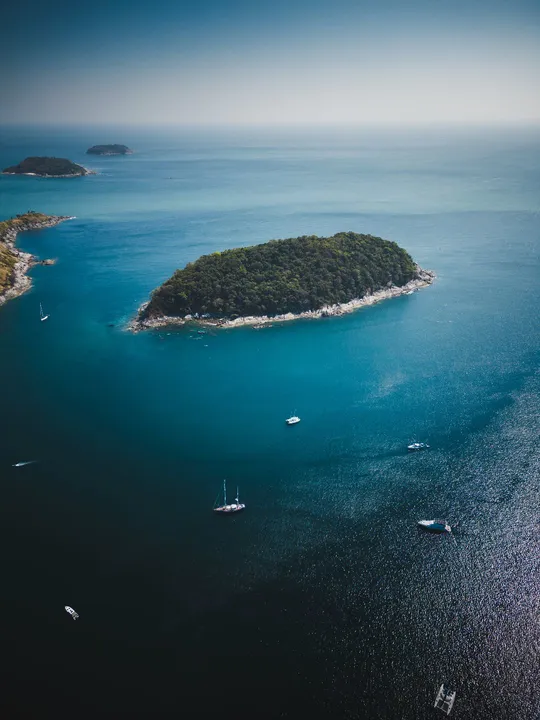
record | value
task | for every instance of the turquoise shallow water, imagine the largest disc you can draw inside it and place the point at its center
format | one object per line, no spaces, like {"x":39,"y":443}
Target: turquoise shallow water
{"x":322,"y":597}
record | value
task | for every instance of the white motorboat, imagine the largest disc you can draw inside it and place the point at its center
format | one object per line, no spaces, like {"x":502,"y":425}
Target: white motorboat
{"x":445,"y":699}
{"x":234,"y":507}
{"x":72,"y":612}
{"x":293,"y":420}
{"x":438,"y":526}
{"x":417,"y":446}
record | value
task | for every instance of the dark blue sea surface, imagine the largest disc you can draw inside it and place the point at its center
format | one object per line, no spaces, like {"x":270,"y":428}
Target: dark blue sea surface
{"x":322,"y":599}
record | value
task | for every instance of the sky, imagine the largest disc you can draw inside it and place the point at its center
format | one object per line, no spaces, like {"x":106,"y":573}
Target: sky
{"x":278,"y":62}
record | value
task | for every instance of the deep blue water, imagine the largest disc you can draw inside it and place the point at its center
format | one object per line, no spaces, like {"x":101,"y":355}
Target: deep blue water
{"x":322,"y":599}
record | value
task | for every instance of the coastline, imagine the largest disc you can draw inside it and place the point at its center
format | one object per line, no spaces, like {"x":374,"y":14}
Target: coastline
{"x":20,"y":281}
{"x":425,"y":279}
{"x":30,"y":174}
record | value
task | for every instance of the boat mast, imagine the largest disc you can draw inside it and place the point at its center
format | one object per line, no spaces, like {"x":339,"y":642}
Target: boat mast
{"x":224,"y":492}
{"x":237,"y":494}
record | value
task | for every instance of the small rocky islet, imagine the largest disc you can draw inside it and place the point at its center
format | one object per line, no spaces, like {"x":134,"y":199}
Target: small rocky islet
{"x":303,"y":277}
{"x":50,"y":167}
{"x":113,"y":149}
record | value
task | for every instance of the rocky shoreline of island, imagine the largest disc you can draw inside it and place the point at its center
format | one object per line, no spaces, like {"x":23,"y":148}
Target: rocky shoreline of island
{"x":423,"y":279}
{"x":20,"y":282}
{"x":40,"y":175}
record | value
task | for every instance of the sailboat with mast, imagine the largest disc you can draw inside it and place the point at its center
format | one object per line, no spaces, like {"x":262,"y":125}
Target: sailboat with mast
{"x":236,"y":506}
{"x":41,"y":313}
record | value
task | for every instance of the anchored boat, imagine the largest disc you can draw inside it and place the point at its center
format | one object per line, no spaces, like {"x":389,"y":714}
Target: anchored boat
{"x":293,"y":420}
{"x":417,"y":446}
{"x":236,"y":506}
{"x":437,"y":526}
{"x":445,"y":699}
{"x":72,"y":612}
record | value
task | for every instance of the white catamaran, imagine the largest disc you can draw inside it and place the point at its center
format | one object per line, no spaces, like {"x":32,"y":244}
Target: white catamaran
{"x":293,"y":420}
{"x":41,"y":313}
{"x":236,"y":506}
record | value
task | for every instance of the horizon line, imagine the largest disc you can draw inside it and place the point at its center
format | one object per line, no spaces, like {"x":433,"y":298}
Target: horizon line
{"x":531,"y":122}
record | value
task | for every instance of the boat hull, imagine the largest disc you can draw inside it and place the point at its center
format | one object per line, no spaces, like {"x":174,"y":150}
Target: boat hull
{"x":229,"y":509}
{"x":434,"y":527}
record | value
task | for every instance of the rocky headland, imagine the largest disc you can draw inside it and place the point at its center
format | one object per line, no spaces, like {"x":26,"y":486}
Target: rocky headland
{"x":14,"y":263}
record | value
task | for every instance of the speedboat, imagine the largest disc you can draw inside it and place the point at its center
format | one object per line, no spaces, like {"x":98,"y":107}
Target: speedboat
{"x":292,"y":420}
{"x":234,"y":507}
{"x":417,"y":446}
{"x":438,"y":526}
{"x":72,"y":612}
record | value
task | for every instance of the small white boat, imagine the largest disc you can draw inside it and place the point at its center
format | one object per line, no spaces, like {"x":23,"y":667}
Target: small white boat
{"x":445,"y":699}
{"x":26,"y":462}
{"x":72,"y":612}
{"x":417,"y":446}
{"x":41,"y":313}
{"x":293,"y":420}
{"x":438,"y":526}
{"x":234,"y":507}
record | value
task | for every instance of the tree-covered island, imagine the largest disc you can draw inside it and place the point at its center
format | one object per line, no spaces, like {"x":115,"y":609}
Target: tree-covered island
{"x":113,"y":149}
{"x":282,"y":279}
{"x":47,"y":167}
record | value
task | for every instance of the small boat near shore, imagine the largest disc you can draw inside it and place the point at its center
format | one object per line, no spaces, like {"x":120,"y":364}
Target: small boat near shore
{"x":71,"y":612}
{"x":445,"y":699}
{"x":436,"y":526}
{"x":234,"y":507}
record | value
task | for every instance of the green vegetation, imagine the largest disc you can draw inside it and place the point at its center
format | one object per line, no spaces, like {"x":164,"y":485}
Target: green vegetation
{"x":7,"y":263}
{"x":294,"y":275}
{"x":47,"y":166}
{"x":8,"y":229}
{"x":109,"y":150}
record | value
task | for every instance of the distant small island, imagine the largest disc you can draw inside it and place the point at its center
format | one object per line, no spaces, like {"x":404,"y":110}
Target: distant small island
{"x":303,"y":277}
{"x":109,"y":150}
{"x":47,"y":167}
{"x":14,"y":264}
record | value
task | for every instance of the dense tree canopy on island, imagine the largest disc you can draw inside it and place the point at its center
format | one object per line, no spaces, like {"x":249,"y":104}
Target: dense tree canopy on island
{"x":114,"y":149}
{"x":281,"y":276}
{"x":47,"y":166}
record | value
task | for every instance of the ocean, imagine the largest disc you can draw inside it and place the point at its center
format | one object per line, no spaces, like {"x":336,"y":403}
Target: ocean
{"x":322,"y":599}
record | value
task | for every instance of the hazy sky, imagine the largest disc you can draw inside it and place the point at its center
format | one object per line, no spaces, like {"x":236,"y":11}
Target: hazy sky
{"x":270,"y":62}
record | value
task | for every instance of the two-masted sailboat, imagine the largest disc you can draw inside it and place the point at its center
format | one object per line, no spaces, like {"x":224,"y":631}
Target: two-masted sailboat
{"x":236,"y":506}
